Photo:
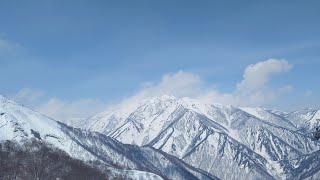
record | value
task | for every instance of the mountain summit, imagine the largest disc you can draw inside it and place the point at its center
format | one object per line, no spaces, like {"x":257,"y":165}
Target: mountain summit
{"x":180,"y":138}
{"x":229,"y":142}
{"x":19,"y":123}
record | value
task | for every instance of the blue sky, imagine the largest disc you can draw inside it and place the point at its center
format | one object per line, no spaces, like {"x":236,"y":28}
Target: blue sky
{"x":104,"y":51}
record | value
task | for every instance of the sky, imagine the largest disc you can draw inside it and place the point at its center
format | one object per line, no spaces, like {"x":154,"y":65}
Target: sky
{"x":72,"y":59}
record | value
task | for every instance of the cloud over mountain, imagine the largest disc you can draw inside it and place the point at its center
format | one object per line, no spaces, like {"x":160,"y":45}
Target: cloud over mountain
{"x":252,"y":90}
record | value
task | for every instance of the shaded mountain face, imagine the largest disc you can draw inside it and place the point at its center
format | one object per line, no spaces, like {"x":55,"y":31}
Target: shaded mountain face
{"x":226,"y":141}
{"x":19,"y":123}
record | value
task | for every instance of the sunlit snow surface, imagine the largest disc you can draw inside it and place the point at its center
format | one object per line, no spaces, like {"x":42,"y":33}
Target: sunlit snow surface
{"x":18,"y":123}
{"x":176,"y":138}
{"x":227,"y":141}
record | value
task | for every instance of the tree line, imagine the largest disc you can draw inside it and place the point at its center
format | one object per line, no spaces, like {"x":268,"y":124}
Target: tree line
{"x":37,"y":160}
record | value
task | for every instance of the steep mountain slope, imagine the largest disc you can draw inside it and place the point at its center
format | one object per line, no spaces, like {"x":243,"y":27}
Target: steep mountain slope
{"x":147,"y":119}
{"x":305,"y":167}
{"x":305,"y":119}
{"x":250,"y":142}
{"x":134,"y":157}
{"x":276,"y":118}
{"x":18,"y":122}
{"x":172,"y":138}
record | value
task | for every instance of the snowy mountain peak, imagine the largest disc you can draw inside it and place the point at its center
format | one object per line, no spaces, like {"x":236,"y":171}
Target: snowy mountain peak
{"x":157,"y":99}
{"x":167,"y":96}
{"x":195,"y":139}
{"x":199,"y":133}
{"x":5,"y":100}
{"x":19,"y":123}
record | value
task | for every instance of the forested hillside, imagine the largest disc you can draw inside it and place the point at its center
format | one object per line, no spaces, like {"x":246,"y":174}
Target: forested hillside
{"x":34,"y":159}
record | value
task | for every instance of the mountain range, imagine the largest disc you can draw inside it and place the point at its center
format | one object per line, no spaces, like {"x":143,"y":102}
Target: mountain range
{"x":180,"y":138}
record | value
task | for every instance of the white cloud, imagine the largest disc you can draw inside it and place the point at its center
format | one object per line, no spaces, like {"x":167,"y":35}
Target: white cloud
{"x":252,"y":90}
{"x":63,"y":110}
{"x":213,"y":96}
{"x":27,"y":96}
{"x":256,"y":76}
{"x":70,"y":111}
{"x":179,"y":84}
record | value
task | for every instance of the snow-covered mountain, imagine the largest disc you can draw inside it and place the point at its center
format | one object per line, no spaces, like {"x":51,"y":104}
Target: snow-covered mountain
{"x":18,"y":122}
{"x":227,"y":141}
{"x":181,"y":138}
{"x":305,"y":119}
